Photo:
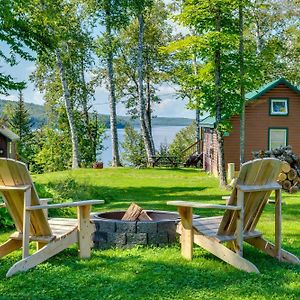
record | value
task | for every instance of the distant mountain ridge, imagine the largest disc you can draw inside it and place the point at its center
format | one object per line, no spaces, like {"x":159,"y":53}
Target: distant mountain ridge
{"x":38,"y":116}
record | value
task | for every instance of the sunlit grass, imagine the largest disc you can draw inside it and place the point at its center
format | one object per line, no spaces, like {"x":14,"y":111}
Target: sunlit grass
{"x":153,"y":273}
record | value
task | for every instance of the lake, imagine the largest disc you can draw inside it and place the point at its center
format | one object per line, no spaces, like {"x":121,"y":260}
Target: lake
{"x":161,"y":134}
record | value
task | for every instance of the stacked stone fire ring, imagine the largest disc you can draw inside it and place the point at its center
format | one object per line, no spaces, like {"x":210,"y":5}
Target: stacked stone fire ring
{"x":113,"y":232}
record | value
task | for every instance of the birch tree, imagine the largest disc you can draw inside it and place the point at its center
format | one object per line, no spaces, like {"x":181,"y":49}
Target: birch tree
{"x":112,"y":15}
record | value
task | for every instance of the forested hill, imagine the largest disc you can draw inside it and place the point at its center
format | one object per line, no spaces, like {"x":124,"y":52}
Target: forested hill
{"x":38,"y":116}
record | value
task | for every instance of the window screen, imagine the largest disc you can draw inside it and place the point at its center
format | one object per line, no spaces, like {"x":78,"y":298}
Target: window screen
{"x":277,"y":138}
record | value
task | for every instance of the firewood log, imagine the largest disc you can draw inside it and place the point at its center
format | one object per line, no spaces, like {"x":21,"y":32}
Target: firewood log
{"x":286,"y":185}
{"x":294,"y":189}
{"x":282,"y":176}
{"x":292,"y":174}
{"x":296,"y":181}
{"x":285,"y":167}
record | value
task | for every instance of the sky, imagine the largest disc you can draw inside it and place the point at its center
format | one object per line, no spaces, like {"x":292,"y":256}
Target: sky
{"x":170,"y":105}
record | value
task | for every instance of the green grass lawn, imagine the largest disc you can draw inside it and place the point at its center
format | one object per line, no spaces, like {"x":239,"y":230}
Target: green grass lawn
{"x":153,"y":273}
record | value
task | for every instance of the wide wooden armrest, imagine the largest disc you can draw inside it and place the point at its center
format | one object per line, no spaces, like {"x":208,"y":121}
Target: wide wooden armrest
{"x":67,"y":204}
{"x":202,"y":205}
{"x":15,"y":188}
{"x":2,"y":205}
{"x":259,"y":188}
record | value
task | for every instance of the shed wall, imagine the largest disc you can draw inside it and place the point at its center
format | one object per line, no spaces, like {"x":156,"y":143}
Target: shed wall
{"x":258,"y":121}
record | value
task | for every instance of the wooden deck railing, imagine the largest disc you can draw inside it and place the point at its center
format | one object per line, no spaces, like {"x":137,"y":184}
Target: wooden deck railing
{"x":190,"y":150}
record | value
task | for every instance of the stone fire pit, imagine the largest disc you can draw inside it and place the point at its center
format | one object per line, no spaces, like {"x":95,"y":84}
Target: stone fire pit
{"x":111,"y":231}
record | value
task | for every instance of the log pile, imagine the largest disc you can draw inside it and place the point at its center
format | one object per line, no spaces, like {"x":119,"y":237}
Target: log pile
{"x":289,"y":176}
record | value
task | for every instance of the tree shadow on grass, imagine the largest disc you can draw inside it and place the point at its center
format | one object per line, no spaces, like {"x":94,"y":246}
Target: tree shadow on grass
{"x":149,"y":197}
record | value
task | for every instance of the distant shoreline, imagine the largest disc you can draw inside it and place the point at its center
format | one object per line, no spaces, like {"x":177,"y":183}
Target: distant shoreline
{"x":39,"y":118}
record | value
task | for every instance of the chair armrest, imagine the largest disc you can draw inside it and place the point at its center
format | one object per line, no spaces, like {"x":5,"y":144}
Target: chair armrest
{"x":202,"y":205}
{"x":15,"y":188}
{"x":2,"y":205}
{"x":67,"y":204}
{"x":45,"y":201}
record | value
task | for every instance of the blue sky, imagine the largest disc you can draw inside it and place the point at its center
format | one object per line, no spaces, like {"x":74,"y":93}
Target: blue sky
{"x":169,"y":107}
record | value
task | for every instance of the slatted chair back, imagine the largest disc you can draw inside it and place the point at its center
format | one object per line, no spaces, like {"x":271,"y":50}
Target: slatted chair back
{"x":259,"y":172}
{"x":15,"y":174}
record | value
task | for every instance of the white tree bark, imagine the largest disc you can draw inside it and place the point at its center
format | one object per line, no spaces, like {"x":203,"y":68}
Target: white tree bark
{"x":69,"y":110}
{"x":112,"y":96}
{"x":144,"y":127}
{"x":242,"y":86}
{"x":220,"y":139}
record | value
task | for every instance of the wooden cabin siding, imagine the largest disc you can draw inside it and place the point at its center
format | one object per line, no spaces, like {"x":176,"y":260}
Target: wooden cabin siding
{"x":258,"y":121}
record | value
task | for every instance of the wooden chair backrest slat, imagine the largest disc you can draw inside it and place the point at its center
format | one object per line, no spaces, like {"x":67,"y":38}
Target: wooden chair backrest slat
{"x":14,"y":173}
{"x":254,"y":173}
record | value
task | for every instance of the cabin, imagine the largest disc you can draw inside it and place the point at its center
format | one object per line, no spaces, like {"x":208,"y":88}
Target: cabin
{"x":272,"y":119}
{"x":8,"y":143}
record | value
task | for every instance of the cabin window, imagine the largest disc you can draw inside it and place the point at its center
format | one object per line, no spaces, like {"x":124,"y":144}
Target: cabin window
{"x":277,"y":137}
{"x":279,"y":107}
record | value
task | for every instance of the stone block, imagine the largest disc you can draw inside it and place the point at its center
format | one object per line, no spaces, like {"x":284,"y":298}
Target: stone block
{"x":116,"y":238}
{"x":157,"y":238}
{"x":166,"y":226}
{"x":137,"y":238}
{"x":108,"y":226}
{"x":100,"y":236}
{"x":146,"y":227}
{"x":126,"y":227}
{"x":172,"y":238}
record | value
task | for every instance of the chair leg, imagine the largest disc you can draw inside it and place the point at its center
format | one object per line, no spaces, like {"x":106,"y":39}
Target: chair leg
{"x":85,"y":230}
{"x":9,"y":246}
{"x":224,"y":253}
{"x":43,"y":254}
{"x":270,"y":249}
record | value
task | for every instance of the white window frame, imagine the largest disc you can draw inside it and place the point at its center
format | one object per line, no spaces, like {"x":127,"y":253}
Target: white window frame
{"x":278,"y":113}
{"x":278,"y":129}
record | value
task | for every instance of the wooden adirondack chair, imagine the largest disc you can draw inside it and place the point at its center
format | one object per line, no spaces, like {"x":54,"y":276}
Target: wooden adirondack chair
{"x":256,"y":181}
{"x":29,"y":215}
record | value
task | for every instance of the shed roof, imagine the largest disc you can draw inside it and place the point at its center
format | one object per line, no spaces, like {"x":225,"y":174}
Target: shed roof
{"x":9,"y":134}
{"x":209,"y":122}
{"x":269,"y":86}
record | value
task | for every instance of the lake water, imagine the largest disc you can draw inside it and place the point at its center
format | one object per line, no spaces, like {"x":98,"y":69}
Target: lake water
{"x":161,"y":135}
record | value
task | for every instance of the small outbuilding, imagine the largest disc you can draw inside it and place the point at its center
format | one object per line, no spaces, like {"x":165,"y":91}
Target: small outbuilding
{"x":8,"y":143}
{"x":272,"y":119}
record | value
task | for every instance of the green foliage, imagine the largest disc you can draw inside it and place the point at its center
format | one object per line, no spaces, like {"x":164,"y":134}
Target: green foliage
{"x":183,"y":139}
{"x":19,"y":32}
{"x":134,"y":151}
{"x":90,"y":138}
{"x":5,"y":219}
{"x":18,"y":119}
{"x":157,"y":33}
{"x":53,"y":150}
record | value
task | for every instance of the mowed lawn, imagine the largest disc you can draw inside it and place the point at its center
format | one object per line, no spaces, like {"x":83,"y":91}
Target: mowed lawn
{"x":152,"y":273}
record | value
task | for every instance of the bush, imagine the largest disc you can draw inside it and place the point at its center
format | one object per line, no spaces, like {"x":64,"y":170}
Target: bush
{"x":134,"y":150}
{"x":5,"y":219}
{"x":183,"y":139}
{"x":53,"y":151}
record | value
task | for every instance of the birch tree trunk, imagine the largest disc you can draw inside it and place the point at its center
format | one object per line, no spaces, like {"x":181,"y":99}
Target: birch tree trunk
{"x":144,"y":128}
{"x":242,"y":86}
{"x":148,"y":113}
{"x":112,"y":94}
{"x":69,"y":110}
{"x":197,"y":133}
{"x":218,"y":99}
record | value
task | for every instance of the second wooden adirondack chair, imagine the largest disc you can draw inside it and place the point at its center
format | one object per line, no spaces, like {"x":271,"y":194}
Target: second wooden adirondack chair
{"x":53,"y":235}
{"x":256,"y":180}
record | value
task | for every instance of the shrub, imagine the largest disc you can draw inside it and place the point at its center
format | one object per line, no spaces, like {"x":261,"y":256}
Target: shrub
{"x":183,"y":139}
{"x":134,"y":150}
